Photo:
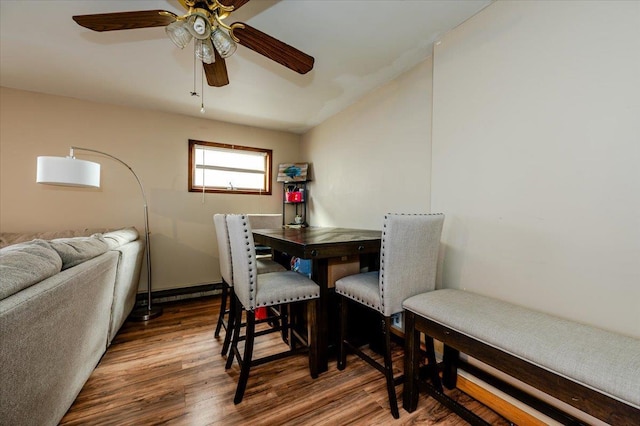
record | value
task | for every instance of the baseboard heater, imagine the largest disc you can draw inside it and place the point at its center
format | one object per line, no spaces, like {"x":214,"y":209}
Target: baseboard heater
{"x":171,"y":295}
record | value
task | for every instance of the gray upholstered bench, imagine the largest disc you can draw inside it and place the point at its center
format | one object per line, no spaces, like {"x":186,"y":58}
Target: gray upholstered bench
{"x":594,"y":370}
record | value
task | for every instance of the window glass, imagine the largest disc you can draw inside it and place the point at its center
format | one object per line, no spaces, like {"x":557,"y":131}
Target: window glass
{"x":215,"y":167}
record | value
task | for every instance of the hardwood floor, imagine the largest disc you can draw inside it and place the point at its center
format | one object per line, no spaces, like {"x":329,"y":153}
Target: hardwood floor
{"x":169,"y":371}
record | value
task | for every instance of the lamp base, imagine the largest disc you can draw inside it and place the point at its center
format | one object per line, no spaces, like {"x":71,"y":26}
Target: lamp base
{"x":145,"y":314}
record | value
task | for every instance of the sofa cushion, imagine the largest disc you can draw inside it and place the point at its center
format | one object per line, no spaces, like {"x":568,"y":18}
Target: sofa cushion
{"x":25,"y":264}
{"x":120,"y":237}
{"x":9,"y":238}
{"x":74,"y":251}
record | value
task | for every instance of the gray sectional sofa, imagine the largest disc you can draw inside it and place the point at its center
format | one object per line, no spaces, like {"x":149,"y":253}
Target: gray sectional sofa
{"x":63,"y":298}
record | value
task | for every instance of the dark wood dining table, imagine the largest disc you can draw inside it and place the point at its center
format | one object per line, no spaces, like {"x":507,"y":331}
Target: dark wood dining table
{"x":320,"y":245}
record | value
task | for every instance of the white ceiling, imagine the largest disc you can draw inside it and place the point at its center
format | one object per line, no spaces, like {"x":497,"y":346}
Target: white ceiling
{"x":358,"y":45}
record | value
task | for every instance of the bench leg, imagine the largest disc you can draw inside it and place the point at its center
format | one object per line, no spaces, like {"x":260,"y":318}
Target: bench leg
{"x":450,"y":360}
{"x":434,"y":389}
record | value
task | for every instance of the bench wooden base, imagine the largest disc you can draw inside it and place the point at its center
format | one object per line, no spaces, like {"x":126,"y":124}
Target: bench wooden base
{"x":585,"y":399}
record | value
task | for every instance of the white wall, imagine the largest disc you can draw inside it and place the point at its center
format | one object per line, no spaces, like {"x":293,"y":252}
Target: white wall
{"x":536,"y":154}
{"x":155,"y":145}
{"x":374,"y":157}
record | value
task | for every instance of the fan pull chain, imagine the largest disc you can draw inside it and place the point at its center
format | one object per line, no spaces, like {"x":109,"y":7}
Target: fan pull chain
{"x":195,"y":66}
{"x":202,"y":110}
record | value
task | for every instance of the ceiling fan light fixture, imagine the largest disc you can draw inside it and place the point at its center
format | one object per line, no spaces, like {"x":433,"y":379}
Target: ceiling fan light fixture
{"x":199,"y":26}
{"x":204,"y":21}
{"x":178,"y":33}
{"x":204,"y":51}
{"x":223,"y":42}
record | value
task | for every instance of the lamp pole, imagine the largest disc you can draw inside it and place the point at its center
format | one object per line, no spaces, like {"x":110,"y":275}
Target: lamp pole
{"x":148,"y":312}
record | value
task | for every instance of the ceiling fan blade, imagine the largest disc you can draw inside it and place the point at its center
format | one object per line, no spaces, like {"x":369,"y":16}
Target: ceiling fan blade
{"x":125,"y":20}
{"x":237,"y":4}
{"x":216,"y":72}
{"x":274,"y":49}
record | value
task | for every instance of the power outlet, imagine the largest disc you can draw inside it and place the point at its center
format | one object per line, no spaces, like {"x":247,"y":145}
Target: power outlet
{"x":396,"y":320}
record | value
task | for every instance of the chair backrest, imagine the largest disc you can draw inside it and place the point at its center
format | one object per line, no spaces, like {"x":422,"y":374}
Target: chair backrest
{"x":408,"y":257}
{"x":243,"y":255}
{"x":265,"y":220}
{"x":224,"y":247}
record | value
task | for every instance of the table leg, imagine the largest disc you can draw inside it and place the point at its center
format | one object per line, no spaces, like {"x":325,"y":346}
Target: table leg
{"x":319,"y":274}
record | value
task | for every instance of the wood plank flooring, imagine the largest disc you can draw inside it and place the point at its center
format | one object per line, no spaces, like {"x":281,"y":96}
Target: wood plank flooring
{"x":169,"y":371}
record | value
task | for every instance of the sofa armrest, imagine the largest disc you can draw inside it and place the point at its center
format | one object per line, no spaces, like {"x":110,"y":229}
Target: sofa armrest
{"x":52,"y":336}
{"x":126,"y":285}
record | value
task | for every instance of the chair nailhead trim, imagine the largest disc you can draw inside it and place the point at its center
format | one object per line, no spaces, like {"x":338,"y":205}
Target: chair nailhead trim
{"x":288,"y":300}
{"x":361,"y":301}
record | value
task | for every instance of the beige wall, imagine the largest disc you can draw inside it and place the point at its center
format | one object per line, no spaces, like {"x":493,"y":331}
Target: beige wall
{"x":535,"y":154}
{"x":536,"y":150}
{"x":154,"y":144}
{"x":535,"y":158}
{"x":374,"y":157}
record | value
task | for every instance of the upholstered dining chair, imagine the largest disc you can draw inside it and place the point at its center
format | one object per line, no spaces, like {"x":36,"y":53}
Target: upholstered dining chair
{"x":264,"y":221}
{"x":408,"y":261}
{"x":253,"y":290}
{"x":226,"y":271}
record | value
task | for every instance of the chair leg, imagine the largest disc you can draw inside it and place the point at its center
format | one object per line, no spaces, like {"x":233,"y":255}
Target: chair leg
{"x":312,"y":337}
{"x":230,"y":323}
{"x":285,"y":318}
{"x":245,"y":364}
{"x":432,"y":364}
{"x":342,"y":350}
{"x":410,"y":389}
{"x":235,"y":334}
{"x":388,"y":367}
{"x":223,"y":308}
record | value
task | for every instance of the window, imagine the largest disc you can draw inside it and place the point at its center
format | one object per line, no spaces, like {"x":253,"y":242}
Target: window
{"x":217,"y":167}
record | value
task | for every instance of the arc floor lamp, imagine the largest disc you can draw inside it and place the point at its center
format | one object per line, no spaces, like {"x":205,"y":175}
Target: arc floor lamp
{"x":69,"y":171}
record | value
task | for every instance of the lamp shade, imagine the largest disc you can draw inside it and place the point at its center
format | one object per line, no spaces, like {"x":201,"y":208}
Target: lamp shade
{"x":67,"y":171}
{"x":223,"y":43}
{"x":204,"y":51}
{"x":178,"y":33}
{"x":199,"y":26}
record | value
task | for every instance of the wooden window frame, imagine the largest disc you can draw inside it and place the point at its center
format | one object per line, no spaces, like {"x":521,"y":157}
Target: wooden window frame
{"x":217,"y":190}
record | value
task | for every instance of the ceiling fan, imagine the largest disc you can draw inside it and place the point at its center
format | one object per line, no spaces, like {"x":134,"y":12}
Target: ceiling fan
{"x":214,"y":39}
